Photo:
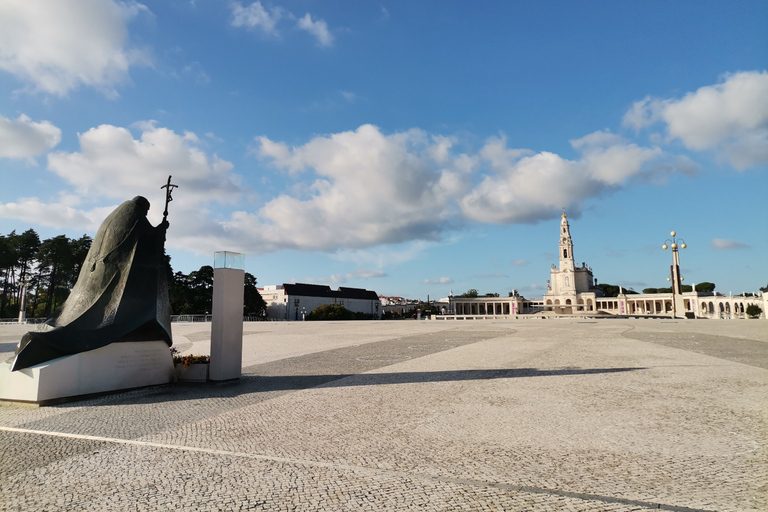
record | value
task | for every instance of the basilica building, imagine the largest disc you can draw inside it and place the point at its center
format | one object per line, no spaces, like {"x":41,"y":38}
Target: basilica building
{"x":572,"y":290}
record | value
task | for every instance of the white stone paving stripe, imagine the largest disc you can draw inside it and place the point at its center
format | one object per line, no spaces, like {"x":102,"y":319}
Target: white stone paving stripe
{"x":387,"y":472}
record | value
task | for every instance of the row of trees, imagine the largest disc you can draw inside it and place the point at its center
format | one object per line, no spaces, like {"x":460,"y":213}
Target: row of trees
{"x":700,"y":287}
{"x":336,"y":312}
{"x":473,"y":293}
{"x":49,"y":269}
{"x":192,"y":294}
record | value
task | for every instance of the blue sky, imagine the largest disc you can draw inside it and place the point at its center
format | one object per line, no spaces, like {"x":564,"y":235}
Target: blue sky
{"x":406,"y":147}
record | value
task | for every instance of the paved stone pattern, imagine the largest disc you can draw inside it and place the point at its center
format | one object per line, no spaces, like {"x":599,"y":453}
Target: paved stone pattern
{"x":743,"y":351}
{"x":526,"y":415}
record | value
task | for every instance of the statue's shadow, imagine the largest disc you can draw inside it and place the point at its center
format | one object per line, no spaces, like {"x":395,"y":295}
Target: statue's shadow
{"x":256,"y":388}
{"x":295,"y":382}
{"x":8,"y":347}
{"x":187,"y":403}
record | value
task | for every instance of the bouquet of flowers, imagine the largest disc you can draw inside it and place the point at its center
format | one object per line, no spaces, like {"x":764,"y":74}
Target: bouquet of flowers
{"x":189,"y":359}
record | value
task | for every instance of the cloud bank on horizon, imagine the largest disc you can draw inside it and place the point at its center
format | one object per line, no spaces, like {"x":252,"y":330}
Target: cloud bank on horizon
{"x":353,"y":189}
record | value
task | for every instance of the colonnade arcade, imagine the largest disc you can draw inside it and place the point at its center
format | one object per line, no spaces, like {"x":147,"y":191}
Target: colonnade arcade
{"x":565,"y":306}
{"x":693,"y":304}
{"x":486,"y":306}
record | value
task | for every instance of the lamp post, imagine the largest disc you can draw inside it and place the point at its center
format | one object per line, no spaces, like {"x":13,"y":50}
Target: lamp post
{"x":23,"y":307}
{"x":675,"y":269}
{"x":303,"y":313}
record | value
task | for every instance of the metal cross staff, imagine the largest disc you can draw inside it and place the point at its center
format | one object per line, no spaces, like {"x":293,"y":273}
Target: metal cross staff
{"x":169,"y":188}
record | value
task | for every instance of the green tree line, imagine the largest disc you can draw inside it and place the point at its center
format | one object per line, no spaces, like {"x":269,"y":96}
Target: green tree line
{"x":49,"y":268}
{"x":192,"y":294}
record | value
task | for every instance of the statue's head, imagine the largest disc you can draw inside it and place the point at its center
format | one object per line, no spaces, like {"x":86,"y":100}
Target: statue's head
{"x":142,"y":203}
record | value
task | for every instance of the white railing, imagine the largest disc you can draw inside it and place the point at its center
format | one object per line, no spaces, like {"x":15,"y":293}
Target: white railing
{"x":207,"y":318}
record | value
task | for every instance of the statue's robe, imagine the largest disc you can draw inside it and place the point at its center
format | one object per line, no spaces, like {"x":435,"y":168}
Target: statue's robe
{"x":121,"y":293}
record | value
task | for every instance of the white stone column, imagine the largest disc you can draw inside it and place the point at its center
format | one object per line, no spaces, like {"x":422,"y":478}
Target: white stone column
{"x":227,"y":322}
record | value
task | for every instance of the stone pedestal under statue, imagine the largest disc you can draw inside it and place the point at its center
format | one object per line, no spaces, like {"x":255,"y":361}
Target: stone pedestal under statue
{"x":118,"y":366}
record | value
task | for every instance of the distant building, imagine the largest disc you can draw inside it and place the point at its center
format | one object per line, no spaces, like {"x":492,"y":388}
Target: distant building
{"x":572,"y":290}
{"x":293,"y":301}
{"x":398,"y":306}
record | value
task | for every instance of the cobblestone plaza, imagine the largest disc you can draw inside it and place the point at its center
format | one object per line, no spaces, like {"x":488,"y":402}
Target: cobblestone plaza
{"x":535,"y":415}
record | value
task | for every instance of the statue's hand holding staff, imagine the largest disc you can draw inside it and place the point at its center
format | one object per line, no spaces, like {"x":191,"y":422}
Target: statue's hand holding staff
{"x":168,"y":190}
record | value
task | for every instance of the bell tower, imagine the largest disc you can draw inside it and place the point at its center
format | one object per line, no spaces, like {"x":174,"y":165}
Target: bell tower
{"x":566,"y":246}
{"x":570,"y":288}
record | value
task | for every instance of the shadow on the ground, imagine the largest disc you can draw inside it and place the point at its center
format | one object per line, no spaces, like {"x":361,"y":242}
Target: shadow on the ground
{"x":292,"y":382}
{"x":187,"y":403}
{"x":8,"y":347}
{"x":263,"y":387}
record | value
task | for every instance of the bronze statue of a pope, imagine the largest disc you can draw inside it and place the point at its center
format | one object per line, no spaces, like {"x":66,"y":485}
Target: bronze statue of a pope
{"x":121,"y":293}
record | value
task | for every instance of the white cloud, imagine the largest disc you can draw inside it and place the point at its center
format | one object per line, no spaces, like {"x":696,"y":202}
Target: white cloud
{"x":386,"y":255}
{"x":364,"y":188}
{"x":318,"y":28}
{"x":332,"y":279}
{"x":256,"y":16}
{"x":519,"y":263}
{"x":279,"y":152}
{"x":366,"y":274}
{"x":715,"y":114}
{"x":55,"y":215}
{"x":525,"y":187}
{"x":610,"y":160}
{"x":112,"y":164}
{"x":724,"y":244}
{"x":112,"y":167}
{"x":644,"y":113}
{"x":369,"y":189}
{"x":57,"y":46}
{"x":729,"y":118}
{"x":343,"y":278}
{"x":599,"y":139}
{"x":24,"y":138}
{"x":442,"y":280}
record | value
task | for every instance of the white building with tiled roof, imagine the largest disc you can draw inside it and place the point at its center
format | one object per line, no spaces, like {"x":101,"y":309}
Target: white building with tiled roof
{"x":292,"y":301}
